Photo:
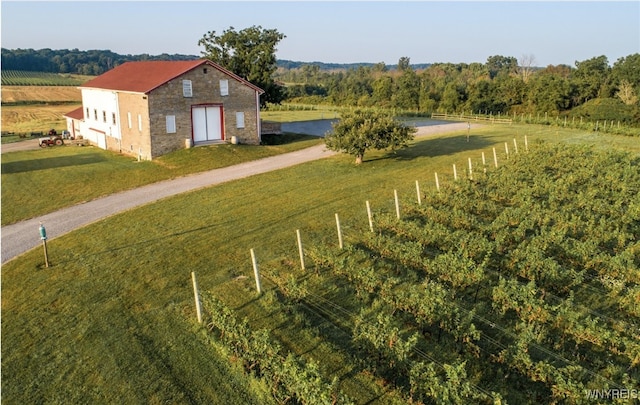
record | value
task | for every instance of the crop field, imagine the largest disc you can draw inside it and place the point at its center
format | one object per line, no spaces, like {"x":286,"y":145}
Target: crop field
{"x":28,"y":118}
{"x":521,"y":286}
{"x":26,"y":78}
{"x":24,"y":94}
{"x":28,"y":109}
{"x":518,"y":285}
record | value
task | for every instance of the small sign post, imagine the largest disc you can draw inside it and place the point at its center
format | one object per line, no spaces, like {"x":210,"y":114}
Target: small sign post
{"x":43,"y":236}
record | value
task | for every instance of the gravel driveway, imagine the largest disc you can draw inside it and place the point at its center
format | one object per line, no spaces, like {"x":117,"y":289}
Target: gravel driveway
{"x":23,"y":236}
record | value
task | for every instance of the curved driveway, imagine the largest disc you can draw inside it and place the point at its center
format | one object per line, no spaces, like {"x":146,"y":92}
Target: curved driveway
{"x":23,"y":236}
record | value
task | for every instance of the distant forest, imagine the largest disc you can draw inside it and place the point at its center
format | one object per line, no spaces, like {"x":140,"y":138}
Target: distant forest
{"x":96,"y":62}
{"x":92,"y":63}
{"x":592,"y":89}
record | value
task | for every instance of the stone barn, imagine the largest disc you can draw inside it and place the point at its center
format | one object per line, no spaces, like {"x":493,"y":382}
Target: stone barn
{"x":150,"y":108}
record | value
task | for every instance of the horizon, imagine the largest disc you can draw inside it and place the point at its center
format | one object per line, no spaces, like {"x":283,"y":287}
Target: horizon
{"x":288,"y":60}
{"x":427,"y":32}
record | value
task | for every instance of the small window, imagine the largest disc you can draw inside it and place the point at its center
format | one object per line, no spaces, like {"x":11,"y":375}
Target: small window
{"x":86,"y":116}
{"x":95,"y":114}
{"x":171,"y":124}
{"x":239,"y":120}
{"x":139,"y":122}
{"x":187,"y":90}
{"x":104,"y":116}
{"x":113,"y":118}
{"x":129,"y":119}
{"x":224,"y":87}
{"x":204,"y":71}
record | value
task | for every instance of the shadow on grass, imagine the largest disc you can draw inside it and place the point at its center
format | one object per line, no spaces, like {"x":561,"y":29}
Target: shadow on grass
{"x":438,"y":147}
{"x":285,"y":138}
{"x":51,"y":163}
{"x":164,"y":239}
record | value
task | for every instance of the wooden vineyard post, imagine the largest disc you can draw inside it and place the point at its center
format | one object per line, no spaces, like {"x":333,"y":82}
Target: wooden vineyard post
{"x":418,"y":192}
{"x":455,"y":172}
{"x":196,"y":295}
{"x":470,"y":170}
{"x":369,"y":215}
{"x":437,"y":182}
{"x":506,"y":149}
{"x":339,"y":231}
{"x":495,"y":158}
{"x":300,"y":250}
{"x":526,"y":144}
{"x":256,"y":273}
{"x":395,"y":196}
{"x":515,"y":146}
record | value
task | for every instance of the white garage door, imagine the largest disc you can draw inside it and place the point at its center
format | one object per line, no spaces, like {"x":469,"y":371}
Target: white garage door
{"x":207,"y":123}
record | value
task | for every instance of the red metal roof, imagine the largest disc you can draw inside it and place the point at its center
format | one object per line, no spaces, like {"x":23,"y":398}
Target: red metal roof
{"x":76,"y":114}
{"x":143,"y":77}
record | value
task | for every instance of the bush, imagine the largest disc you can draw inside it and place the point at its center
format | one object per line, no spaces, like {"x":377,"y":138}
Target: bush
{"x":607,"y":109}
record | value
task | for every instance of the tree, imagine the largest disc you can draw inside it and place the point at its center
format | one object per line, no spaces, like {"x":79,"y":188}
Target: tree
{"x":359,"y":131}
{"x":626,"y":93}
{"x":592,"y":80}
{"x":249,"y":53}
{"x":526,"y":66}
{"x":498,"y":64}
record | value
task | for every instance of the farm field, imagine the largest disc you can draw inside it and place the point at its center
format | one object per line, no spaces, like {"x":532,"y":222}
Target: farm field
{"x":26,"y":112}
{"x":113,"y":319}
{"x":14,"y":94}
{"x":30,"y":118}
{"x":27,"y":78}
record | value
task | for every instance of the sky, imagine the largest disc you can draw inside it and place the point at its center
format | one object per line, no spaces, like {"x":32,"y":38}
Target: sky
{"x":552,"y":32}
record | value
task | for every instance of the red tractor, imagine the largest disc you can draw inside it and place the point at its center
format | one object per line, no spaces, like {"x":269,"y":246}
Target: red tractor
{"x":52,"y":139}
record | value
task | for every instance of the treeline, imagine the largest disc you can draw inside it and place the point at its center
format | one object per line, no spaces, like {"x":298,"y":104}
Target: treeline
{"x":502,"y":85}
{"x":92,"y":62}
{"x":289,"y":64}
{"x":95,"y":62}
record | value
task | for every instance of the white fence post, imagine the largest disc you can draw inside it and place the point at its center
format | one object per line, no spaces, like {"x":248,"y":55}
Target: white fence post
{"x":256,"y":273}
{"x":369,"y":215}
{"x":418,"y":192}
{"x":300,"y":250}
{"x":339,"y":231}
{"x":197,"y":297}
{"x":484,"y":163}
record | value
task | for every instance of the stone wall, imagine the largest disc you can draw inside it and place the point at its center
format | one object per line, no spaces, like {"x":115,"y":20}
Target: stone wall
{"x":168,"y":99}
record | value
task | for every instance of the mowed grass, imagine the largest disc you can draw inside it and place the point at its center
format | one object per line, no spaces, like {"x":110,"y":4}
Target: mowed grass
{"x":113,"y":319}
{"x":40,"y":181}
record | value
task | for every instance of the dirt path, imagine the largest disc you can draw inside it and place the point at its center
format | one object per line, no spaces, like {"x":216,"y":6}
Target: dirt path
{"x":30,"y":144}
{"x":23,"y":236}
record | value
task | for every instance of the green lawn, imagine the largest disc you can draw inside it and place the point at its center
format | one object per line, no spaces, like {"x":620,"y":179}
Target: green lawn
{"x":113,"y":320}
{"x":44,"y":180}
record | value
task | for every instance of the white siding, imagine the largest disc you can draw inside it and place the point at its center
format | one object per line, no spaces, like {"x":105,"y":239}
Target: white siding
{"x":105,"y":102}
